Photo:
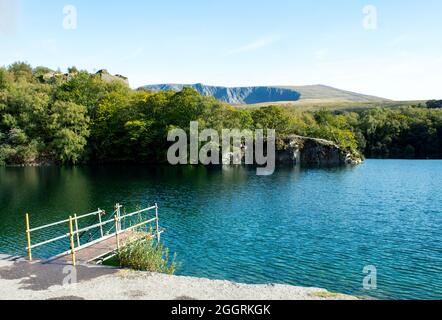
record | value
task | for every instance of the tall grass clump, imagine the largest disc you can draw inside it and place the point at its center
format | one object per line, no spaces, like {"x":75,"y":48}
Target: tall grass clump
{"x":147,"y":255}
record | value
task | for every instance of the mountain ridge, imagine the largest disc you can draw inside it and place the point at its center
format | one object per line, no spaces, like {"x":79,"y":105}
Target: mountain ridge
{"x":269,"y":94}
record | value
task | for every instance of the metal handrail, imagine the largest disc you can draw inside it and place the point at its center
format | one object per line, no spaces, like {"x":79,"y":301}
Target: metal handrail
{"x":137,"y":212}
{"x":137,"y":226}
{"x":117,"y":219}
{"x":93,"y":226}
{"x":108,"y":236}
{"x":48,"y":225}
{"x":28,"y":231}
{"x":48,"y":241}
{"x":112,"y":220}
{"x":64,"y":221}
{"x":91,"y":214}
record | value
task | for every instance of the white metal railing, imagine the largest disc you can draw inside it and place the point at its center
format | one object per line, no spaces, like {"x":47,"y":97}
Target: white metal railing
{"x":29,"y":247}
{"x":77,"y":218}
{"x":75,"y":231}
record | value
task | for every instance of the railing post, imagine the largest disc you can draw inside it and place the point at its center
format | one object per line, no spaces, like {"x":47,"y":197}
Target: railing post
{"x":76,"y":230}
{"x":71,"y":236}
{"x":117,"y":231}
{"x":28,"y":236}
{"x":99,"y":219}
{"x":117,"y":209}
{"x":158,"y":223}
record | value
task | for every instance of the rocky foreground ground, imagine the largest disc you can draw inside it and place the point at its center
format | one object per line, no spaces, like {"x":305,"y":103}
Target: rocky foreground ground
{"x":20,"y":280}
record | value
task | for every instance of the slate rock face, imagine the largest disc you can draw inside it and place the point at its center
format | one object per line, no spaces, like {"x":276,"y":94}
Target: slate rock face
{"x":309,"y":152}
{"x":306,"y":151}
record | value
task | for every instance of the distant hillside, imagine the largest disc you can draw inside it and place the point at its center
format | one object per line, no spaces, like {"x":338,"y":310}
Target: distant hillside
{"x":322,"y":92}
{"x":257,"y":95}
{"x":245,"y":95}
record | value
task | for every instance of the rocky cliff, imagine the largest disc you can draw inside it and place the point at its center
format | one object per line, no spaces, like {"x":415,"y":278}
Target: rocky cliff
{"x":238,"y":95}
{"x":313,"y":152}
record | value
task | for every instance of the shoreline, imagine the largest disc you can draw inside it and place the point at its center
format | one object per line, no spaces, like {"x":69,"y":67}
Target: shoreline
{"x":148,"y":164}
{"x":21,"y":280}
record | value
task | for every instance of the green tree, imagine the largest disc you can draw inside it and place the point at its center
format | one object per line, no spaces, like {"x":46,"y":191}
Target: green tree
{"x":434,"y":104}
{"x":272,"y":117}
{"x":68,"y":125}
{"x":6,"y":79}
{"x":21,"y":71}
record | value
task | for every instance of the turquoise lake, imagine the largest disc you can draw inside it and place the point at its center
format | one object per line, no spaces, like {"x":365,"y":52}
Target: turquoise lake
{"x":304,"y":227}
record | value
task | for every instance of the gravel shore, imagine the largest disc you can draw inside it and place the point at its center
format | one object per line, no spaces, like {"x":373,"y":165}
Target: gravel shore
{"x":20,"y":280}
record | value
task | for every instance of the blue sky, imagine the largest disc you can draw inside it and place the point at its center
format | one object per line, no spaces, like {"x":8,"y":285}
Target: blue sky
{"x":237,"y":42}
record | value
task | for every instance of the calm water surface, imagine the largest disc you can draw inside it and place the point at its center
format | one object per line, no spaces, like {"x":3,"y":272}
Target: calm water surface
{"x":302,"y":227}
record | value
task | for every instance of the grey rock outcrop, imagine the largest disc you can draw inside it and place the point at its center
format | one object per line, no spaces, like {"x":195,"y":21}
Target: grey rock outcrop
{"x":107,"y":77}
{"x":306,"y":151}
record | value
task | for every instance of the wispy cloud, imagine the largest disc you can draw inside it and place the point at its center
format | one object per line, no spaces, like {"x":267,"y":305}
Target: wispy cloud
{"x":256,"y":45}
{"x":321,"y":54}
{"x":133,"y":55}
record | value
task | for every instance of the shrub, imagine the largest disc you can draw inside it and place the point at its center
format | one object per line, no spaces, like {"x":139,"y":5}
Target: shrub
{"x":146,"y":255}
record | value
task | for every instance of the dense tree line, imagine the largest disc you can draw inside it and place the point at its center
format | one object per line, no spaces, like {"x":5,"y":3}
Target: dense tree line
{"x":434,"y":104}
{"x":47,"y":116}
{"x":409,"y":133}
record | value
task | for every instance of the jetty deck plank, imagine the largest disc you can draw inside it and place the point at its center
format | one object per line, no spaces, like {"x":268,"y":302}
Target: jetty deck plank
{"x":101,"y":248}
{"x":96,"y":250}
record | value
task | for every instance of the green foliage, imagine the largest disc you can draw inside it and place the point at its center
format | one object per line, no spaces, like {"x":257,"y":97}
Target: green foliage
{"x":146,"y":255}
{"x":16,"y":148}
{"x":404,"y":133}
{"x":6,"y":79}
{"x":335,"y":128}
{"x":21,"y":71}
{"x":83,"y":89}
{"x":72,"y":70}
{"x":68,"y":127}
{"x":36,"y":127}
{"x":272,"y":117}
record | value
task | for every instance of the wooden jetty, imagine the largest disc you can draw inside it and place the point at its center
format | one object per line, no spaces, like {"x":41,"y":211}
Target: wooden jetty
{"x":112,"y":235}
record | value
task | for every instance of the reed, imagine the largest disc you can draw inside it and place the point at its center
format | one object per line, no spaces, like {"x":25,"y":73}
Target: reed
{"x":146,"y":254}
